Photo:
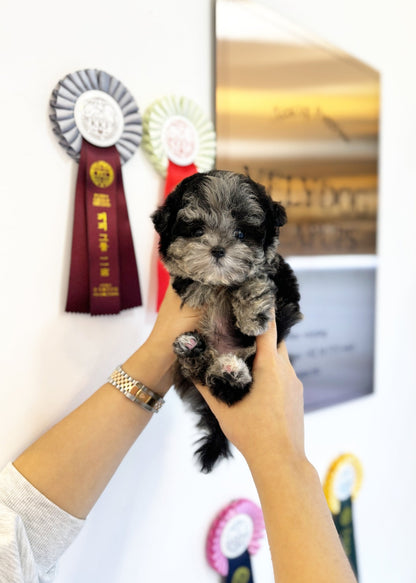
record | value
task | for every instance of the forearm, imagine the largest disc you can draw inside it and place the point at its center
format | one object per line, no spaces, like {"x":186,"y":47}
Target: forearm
{"x":304,"y":544}
{"x":72,"y":463}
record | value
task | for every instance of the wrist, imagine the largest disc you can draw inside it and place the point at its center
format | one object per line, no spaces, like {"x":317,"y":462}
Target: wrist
{"x":268,"y":465}
{"x":152,"y":365}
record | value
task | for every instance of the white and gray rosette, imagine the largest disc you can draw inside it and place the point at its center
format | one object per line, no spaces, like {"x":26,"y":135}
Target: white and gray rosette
{"x":94,"y":105}
{"x":175,"y":128}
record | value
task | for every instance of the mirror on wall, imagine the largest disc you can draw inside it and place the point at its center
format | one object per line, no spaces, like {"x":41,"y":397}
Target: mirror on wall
{"x":302,"y":117}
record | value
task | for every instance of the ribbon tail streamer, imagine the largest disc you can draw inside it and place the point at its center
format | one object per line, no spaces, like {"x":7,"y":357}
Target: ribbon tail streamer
{"x":344,"y":525}
{"x":103,"y":274}
{"x":175,"y":174}
{"x":129,"y":275}
{"x":240,"y":570}
{"x":78,"y":287}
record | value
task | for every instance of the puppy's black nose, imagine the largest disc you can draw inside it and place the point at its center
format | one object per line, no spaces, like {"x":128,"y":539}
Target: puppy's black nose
{"x":218,"y":252}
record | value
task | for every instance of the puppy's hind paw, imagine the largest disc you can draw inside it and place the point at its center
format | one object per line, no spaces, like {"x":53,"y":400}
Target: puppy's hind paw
{"x":229,"y":378}
{"x":189,"y":344}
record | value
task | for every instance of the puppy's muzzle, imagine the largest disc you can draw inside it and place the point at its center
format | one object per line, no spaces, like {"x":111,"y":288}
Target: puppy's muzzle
{"x":218,"y":252}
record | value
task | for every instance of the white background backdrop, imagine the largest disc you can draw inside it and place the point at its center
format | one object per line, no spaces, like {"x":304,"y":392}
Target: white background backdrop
{"x":150,"y":524}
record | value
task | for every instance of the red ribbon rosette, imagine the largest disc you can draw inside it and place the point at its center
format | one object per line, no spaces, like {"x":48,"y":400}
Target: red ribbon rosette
{"x":98,"y":124}
{"x":179,"y":141}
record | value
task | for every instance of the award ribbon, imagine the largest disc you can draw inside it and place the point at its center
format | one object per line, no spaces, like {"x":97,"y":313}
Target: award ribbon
{"x":179,"y":141}
{"x":341,"y":486}
{"x":175,"y":174}
{"x":98,"y":124}
{"x":234,"y":535}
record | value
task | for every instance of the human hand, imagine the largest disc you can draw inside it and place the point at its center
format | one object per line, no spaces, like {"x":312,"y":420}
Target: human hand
{"x":173,"y":319}
{"x":269,"y":420}
{"x":152,"y":362}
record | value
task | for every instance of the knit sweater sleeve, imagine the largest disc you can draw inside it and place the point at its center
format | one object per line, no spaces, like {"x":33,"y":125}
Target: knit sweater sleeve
{"x":34,"y":532}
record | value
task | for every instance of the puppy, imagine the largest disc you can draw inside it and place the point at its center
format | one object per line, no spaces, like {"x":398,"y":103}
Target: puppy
{"x":218,"y":240}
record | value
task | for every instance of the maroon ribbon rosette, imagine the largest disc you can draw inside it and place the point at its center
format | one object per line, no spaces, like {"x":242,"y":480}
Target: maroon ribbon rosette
{"x":98,"y":124}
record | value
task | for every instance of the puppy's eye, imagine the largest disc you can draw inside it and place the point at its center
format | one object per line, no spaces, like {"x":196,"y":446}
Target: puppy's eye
{"x":198,"y":232}
{"x":238,"y":234}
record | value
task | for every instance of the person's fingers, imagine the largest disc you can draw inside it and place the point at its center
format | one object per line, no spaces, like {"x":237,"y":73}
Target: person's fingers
{"x":282,"y":349}
{"x":266,"y":344}
{"x":203,"y":389}
{"x":174,"y":316}
{"x":213,"y":403}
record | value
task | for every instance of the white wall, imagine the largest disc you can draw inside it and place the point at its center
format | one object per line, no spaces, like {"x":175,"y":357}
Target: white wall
{"x":151,"y":523}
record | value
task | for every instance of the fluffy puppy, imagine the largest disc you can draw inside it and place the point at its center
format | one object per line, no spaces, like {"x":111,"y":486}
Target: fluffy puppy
{"x":218,"y":240}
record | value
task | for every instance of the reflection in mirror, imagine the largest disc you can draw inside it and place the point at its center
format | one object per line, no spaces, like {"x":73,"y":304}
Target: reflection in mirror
{"x":302,"y":117}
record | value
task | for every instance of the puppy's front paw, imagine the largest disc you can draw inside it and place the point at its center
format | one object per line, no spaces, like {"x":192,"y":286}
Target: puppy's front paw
{"x":254,"y":324}
{"x":253,"y":303}
{"x":189,"y":344}
{"x":229,"y":378}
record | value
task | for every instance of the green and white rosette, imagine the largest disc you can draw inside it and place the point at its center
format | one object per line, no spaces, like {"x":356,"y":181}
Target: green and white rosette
{"x":176,"y":129}
{"x":341,"y":486}
{"x":180,"y":141}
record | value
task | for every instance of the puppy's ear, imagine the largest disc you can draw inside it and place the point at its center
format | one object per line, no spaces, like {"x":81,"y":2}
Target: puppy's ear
{"x":164,"y":217}
{"x":160,"y":218}
{"x":279,"y":214}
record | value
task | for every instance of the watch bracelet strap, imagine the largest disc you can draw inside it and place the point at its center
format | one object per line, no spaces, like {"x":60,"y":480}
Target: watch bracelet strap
{"x":135,"y":390}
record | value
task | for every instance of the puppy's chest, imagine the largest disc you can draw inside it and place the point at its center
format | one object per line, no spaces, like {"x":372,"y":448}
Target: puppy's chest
{"x":219,"y":323}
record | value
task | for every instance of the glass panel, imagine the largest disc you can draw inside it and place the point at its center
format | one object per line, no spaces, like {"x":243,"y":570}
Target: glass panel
{"x":302,"y":117}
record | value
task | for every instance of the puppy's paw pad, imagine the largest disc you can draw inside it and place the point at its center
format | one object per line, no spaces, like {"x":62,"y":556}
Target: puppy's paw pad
{"x":188,"y":344}
{"x":234,"y":368}
{"x":229,"y":378}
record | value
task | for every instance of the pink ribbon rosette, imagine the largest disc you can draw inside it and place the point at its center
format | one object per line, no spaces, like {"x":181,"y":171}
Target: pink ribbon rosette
{"x":234,"y":535}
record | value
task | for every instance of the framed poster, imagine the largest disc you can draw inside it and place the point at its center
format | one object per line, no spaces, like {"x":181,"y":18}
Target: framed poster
{"x":302,"y":117}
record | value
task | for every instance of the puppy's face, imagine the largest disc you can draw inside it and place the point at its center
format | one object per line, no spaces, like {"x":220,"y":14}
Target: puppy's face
{"x":218,"y":228}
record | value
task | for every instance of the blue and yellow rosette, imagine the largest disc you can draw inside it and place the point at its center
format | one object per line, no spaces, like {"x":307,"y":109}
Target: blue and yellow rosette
{"x":341,"y":486}
{"x":179,"y":141}
{"x":98,"y":124}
